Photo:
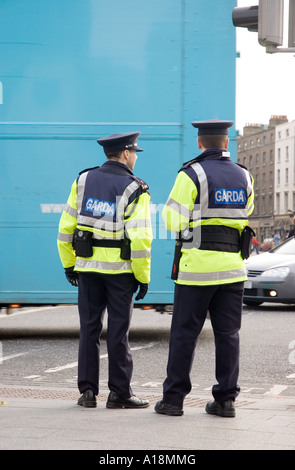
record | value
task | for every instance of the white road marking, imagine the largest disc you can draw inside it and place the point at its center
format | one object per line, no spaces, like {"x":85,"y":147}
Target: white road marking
{"x":33,"y":377}
{"x":12,"y":356}
{"x":275,"y":390}
{"x":24,"y":312}
{"x":103,"y":356}
{"x":152,"y":384}
{"x":250,"y":389}
{"x":59,"y":368}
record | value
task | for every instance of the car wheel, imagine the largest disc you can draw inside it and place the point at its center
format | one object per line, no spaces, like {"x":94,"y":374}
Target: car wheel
{"x":252,"y":303}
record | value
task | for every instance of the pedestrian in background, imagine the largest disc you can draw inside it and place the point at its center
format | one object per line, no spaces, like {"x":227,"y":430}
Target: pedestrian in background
{"x":256,"y":244}
{"x":292,"y":222}
{"x":208,"y":207}
{"x":104,"y":243}
{"x":276,"y":239}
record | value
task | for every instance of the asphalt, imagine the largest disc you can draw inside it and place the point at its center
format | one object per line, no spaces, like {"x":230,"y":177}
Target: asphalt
{"x":34,"y":418}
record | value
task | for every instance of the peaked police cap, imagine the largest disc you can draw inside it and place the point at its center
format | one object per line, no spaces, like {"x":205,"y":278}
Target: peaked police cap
{"x":213,"y":127}
{"x":119,"y":142}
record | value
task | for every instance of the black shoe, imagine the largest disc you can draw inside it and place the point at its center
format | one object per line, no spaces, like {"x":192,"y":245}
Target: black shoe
{"x":114,"y":401}
{"x":88,"y":399}
{"x":165,"y":409}
{"x":226,"y":409}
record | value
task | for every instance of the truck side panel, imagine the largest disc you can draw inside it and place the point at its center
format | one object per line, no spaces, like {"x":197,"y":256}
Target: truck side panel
{"x":70,"y":75}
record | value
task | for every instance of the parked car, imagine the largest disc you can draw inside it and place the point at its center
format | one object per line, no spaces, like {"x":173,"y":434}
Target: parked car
{"x":271,"y":276}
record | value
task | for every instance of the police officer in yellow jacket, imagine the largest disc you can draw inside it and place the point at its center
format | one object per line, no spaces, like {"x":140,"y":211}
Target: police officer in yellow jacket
{"x":104,"y":243}
{"x":208,"y":207}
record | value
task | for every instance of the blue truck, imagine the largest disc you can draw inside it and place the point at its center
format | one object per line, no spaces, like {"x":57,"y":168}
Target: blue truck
{"x":72,"y":71}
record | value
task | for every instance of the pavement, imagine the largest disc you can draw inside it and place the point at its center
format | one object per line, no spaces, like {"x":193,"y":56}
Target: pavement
{"x":51,"y":420}
{"x":44,"y":418}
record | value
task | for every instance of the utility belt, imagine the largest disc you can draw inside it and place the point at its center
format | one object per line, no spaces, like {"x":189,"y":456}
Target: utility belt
{"x":213,"y":237}
{"x":83,"y":243}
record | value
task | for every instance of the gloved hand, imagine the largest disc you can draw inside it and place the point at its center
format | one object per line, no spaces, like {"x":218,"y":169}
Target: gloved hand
{"x":143,"y":288}
{"x":72,"y":276}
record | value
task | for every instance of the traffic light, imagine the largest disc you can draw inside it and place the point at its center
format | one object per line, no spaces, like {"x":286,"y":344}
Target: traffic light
{"x":267,"y":18}
{"x":270,"y":22}
{"x":246,"y":17}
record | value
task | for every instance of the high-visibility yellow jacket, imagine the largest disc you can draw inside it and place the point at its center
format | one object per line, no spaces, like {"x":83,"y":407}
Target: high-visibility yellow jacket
{"x":108,"y":201}
{"x":211,"y":190}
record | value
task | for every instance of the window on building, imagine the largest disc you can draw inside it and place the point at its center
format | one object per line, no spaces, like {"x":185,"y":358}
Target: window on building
{"x":256,"y":205}
{"x":278,"y":177}
{"x":277,"y":203}
{"x":271,"y":156}
{"x":257,"y":159}
{"x":264,"y":158}
{"x":270,"y":179}
{"x":279,"y":155}
{"x":286,"y":175}
{"x":263,"y":204}
{"x":270,"y":207}
{"x":285,"y":203}
{"x":287,"y":153}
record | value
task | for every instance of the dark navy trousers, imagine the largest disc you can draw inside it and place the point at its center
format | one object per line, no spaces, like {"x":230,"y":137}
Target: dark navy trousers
{"x":191,"y":304}
{"x":98,"y":292}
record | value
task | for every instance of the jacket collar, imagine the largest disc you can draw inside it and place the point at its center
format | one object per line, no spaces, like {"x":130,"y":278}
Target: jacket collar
{"x":210,"y":154}
{"x":112,"y":166}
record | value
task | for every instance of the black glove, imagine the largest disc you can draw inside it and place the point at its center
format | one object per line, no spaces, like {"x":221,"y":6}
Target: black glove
{"x":143,"y":288}
{"x":72,"y":276}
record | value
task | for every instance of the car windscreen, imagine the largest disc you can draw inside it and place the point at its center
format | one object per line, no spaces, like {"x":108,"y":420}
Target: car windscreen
{"x":286,"y":248}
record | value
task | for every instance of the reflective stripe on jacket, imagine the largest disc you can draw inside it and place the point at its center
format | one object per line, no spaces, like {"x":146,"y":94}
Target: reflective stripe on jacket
{"x":108,"y":201}
{"x":211,"y":191}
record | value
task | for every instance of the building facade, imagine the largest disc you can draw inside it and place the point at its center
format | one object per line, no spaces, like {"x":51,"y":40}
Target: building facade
{"x":284,"y":170}
{"x":267,"y":151}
